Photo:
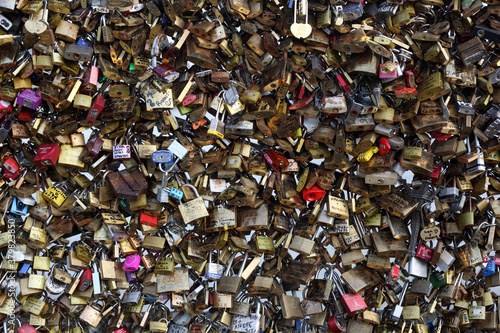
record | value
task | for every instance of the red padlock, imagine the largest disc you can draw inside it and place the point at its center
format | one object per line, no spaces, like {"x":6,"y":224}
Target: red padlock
{"x":26,"y":328}
{"x":147,"y":219}
{"x":11,"y":175}
{"x":393,"y":276}
{"x":436,"y":172}
{"x":343,"y":83}
{"x":353,"y":303}
{"x":11,"y":165}
{"x":440,"y":136}
{"x":303,"y":102}
{"x":96,"y":108}
{"x":410,"y":79}
{"x":406,"y":92}
{"x":424,"y":253}
{"x":278,"y":158}
{"x":163,"y":70}
{"x":5,"y":106}
{"x":301,"y":91}
{"x":384,"y":146}
{"x":85,"y":280}
{"x":313,"y":194}
{"x":122,"y":329}
{"x":25,"y":115}
{"x":47,"y":154}
{"x":93,"y":147}
{"x":188,"y":99}
{"x":336,"y":323}
{"x":90,"y":80}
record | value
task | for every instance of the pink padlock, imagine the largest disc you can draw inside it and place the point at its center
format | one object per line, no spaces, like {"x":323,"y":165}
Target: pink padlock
{"x":131,"y":263}
{"x":497,"y":259}
{"x":383,"y":75}
{"x":5,"y":106}
{"x":26,"y":328}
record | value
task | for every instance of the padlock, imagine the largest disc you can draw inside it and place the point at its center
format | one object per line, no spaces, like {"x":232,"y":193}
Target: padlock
{"x":75,"y":52}
{"x":29,"y":98}
{"x":194,"y":209}
{"x":285,"y":79}
{"x":121,"y":151}
{"x":353,"y":303}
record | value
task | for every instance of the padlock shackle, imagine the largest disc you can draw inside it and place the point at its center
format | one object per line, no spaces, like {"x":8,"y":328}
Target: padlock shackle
{"x":486,"y":225}
{"x":243,"y":263}
{"x":403,"y":292}
{"x":337,"y":282}
{"x":161,"y":166}
{"x":229,"y":264}
{"x":193,"y":188}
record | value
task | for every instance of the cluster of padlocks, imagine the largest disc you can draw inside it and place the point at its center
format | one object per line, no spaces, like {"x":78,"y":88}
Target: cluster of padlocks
{"x":253,"y":166}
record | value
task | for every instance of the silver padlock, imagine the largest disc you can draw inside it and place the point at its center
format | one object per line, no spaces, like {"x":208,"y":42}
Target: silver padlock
{"x":449,"y":194}
{"x":163,"y":194}
{"x":396,"y":142}
{"x":464,"y":107}
{"x":214,"y":270}
{"x":458,"y":205}
{"x":446,"y":259}
{"x":177,"y":149}
{"x":387,"y":130}
{"x":231,"y":95}
{"x":418,"y":268}
{"x":131,"y":297}
{"x":238,"y":126}
{"x":76,"y":52}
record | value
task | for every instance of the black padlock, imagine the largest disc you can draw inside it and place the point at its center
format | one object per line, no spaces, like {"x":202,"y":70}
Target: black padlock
{"x":483,"y":31}
{"x":386,"y":9}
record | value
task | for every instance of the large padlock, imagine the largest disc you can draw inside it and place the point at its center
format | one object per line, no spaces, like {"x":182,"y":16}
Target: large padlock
{"x":193,"y":209}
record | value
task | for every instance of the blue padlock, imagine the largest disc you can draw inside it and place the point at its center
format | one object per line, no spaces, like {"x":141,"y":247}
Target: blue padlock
{"x":18,"y":207}
{"x":24,"y":268}
{"x":82,"y":42}
{"x":489,"y":269}
{"x":175,"y":193}
{"x":162,"y":156}
{"x":151,"y":299}
{"x":297,"y":325}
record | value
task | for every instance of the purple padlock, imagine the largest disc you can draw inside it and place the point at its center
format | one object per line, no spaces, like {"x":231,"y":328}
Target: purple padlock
{"x":131,"y":263}
{"x":131,"y":276}
{"x":29,"y":99}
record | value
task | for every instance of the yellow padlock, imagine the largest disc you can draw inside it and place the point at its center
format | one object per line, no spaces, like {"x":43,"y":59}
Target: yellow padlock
{"x":55,"y":196}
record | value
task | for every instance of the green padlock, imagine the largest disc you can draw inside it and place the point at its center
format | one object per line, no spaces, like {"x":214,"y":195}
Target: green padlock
{"x":183,"y":110}
{"x":465,"y":220}
{"x":437,"y":280}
